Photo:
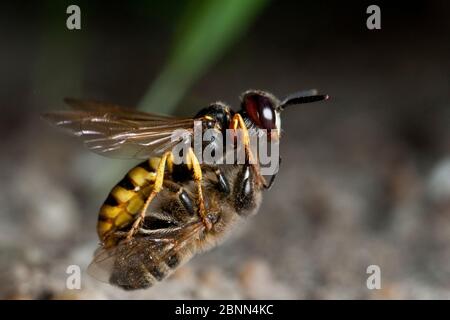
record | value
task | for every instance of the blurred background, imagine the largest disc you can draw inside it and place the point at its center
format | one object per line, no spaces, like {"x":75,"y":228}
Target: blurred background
{"x":365,"y":178}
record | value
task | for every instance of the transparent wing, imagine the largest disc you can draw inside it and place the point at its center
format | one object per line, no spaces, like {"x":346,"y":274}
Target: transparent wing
{"x":144,"y":251}
{"x":119,"y":132}
{"x":101,"y":108}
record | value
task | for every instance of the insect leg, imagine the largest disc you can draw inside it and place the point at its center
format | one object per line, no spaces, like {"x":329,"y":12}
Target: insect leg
{"x":182,"y":195}
{"x":272,"y":179}
{"x":238,"y":123}
{"x":167,"y":158}
{"x":222,"y":181}
{"x":194,"y":165}
{"x":244,"y":190}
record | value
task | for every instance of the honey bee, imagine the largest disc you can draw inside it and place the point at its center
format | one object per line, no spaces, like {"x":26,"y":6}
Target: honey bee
{"x":162,"y":213}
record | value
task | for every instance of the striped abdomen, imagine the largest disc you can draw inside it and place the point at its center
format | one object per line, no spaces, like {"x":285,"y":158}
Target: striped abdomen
{"x":126,"y":200}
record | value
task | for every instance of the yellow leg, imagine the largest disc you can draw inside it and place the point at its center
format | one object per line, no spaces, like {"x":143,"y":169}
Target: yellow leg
{"x":238,"y":123}
{"x":197,"y":174}
{"x":167,"y":158}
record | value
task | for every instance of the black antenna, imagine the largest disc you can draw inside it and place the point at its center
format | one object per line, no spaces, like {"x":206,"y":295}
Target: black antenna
{"x":301,"y":97}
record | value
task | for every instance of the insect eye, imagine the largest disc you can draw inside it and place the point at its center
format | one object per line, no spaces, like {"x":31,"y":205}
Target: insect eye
{"x":260,"y":110}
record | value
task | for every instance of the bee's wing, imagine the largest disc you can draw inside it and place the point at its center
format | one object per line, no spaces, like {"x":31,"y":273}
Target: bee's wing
{"x":163,"y":250}
{"x":119,"y":132}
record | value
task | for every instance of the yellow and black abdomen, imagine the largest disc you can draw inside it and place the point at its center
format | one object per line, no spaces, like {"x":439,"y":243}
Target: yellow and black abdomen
{"x":126,"y":200}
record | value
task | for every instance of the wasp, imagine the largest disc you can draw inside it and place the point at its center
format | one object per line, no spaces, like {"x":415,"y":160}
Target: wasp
{"x":162,"y":213}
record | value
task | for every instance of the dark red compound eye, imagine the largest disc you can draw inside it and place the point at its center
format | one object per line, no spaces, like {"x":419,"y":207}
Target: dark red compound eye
{"x":261,"y":111}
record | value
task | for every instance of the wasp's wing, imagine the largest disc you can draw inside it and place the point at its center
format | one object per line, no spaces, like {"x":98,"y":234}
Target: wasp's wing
{"x":147,"y":258}
{"x":93,"y":106}
{"x":119,"y":132}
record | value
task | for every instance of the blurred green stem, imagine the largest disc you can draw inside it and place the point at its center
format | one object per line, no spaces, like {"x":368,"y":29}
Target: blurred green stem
{"x":205,"y":31}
